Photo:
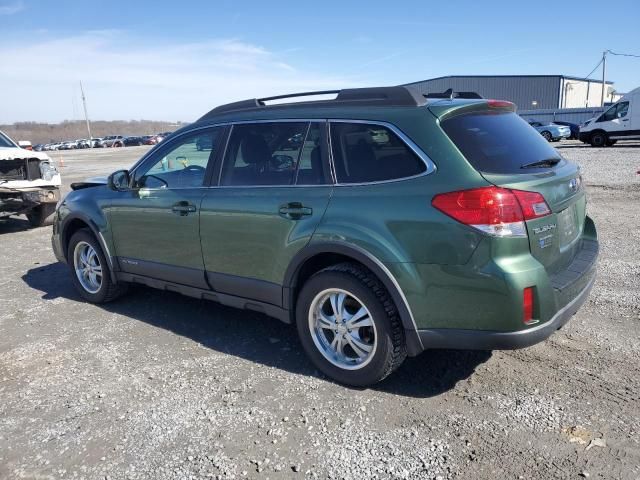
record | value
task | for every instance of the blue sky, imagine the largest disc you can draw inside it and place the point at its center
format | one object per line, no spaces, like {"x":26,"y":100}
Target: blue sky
{"x":174,"y":61}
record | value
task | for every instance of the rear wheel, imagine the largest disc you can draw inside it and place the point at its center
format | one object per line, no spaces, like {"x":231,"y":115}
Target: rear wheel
{"x":42,"y":215}
{"x":598,"y":139}
{"x":546,"y":135}
{"x":90,"y":270}
{"x":349,"y":326}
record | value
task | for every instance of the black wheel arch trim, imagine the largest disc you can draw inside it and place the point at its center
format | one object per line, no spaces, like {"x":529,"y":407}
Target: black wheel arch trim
{"x":64,"y":240}
{"x":359,"y":254}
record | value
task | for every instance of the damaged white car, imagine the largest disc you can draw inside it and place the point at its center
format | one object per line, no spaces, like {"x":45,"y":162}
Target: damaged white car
{"x":29,"y":183}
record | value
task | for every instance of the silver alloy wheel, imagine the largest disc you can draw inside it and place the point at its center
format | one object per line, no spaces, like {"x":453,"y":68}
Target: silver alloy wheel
{"x":87,"y":266}
{"x":342,"y":329}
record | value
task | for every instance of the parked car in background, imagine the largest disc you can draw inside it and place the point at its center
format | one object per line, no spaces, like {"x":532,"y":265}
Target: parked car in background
{"x":550,"y":131}
{"x":149,"y":140}
{"x":39,"y":147}
{"x":203,"y":143}
{"x":112,"y":141}
{"x":461,"y":229}
{"x":574,"y":127}
{"x":619,"y":122}
{"x":71,"y":145}
{"x":26,"y":144}
{"x":133,"y":141}
{"x":29,"y":183}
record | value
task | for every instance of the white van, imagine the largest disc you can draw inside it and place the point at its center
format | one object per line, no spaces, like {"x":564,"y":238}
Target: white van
{"x":621,"y":121}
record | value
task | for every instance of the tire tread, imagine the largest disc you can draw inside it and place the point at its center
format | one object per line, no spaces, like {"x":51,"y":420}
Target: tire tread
{"x":399,"y":350}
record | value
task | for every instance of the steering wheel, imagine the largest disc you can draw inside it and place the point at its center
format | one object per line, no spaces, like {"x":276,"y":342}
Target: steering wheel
{"x":194,"y":168}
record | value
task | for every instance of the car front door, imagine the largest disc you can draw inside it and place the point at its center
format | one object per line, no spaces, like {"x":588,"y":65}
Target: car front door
{"x":615,"y":121}
{"x":155,"y":224}
{"x":274,"y":187}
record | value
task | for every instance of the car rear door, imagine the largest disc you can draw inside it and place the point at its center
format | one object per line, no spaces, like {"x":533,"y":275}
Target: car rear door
{"x":156,"y":224}
{"x":273,"y":189}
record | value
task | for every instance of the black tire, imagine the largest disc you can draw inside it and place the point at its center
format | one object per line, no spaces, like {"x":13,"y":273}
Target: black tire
{"x":546,"y":135}
{"x":598,"y":139}
{"x":42,"y":215}
{"x":108,"y":290}
{"x":390,"y":350}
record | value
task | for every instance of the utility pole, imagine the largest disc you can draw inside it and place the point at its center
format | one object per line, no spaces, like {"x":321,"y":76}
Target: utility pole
{"x":86,"y":116}
{"x":604,"y":72}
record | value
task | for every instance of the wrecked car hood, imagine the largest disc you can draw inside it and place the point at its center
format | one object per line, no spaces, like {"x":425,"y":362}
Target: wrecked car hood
{"x":11,"y":153}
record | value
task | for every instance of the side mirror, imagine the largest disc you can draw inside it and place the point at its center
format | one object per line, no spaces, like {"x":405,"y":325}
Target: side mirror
{"x":119,"y":180}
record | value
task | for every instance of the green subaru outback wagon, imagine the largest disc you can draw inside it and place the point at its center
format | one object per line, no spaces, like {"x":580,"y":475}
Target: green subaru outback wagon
{"x":380,"y":223}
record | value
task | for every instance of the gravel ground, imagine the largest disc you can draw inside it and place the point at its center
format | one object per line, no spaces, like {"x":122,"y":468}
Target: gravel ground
{"x":159,"y":386}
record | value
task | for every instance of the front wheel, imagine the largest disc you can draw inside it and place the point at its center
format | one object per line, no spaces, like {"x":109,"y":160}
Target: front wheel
{"x":349,"y":326}
{"x":546,"y":135}
{"x":598,"y":139}
{"x":90,"y":270}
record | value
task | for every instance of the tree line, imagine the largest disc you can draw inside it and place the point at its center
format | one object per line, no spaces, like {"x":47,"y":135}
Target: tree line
{"x":37,"y":132}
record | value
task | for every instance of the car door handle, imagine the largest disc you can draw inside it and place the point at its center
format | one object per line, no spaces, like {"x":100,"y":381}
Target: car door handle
{"x":625,"y":119}
{"x":294,"y":210}
{"x":183,"y":208}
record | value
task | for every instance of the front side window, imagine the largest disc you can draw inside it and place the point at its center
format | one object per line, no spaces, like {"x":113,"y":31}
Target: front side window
{"x":619,"y":110}
{"x":263,"y":153}
{"x":371,"y":153}
{"x":184,"y":164}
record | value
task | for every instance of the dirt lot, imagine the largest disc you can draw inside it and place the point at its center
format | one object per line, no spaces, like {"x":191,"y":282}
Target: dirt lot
{"x":158,"y":386}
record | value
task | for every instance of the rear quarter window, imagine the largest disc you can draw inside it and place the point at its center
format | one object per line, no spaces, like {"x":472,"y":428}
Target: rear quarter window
{"x":499,"y":142}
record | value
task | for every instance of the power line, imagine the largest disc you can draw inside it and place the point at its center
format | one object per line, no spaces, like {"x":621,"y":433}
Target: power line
{"x":594,"y":68}
{"x":623,"y":54}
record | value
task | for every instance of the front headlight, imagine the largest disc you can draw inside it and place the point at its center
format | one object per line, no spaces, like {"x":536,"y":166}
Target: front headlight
{"x":47,"y":171}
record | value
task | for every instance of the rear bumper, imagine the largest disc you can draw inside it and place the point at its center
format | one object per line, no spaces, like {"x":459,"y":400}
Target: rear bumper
{"x":491,"y":340}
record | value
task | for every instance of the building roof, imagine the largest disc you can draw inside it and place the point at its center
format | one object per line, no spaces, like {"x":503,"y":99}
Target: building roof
{"x":568,"y":77}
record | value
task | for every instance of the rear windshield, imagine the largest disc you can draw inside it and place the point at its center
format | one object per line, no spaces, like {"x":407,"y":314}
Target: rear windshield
{"x":500,"y":143}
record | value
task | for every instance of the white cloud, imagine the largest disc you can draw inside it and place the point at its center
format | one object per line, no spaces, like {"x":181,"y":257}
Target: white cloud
{"x":11,"y":8}
{"x":128,"y":79}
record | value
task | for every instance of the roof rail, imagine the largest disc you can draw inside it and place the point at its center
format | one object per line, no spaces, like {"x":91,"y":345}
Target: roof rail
{"x":449,"y":93}
{"x":376,"y":96}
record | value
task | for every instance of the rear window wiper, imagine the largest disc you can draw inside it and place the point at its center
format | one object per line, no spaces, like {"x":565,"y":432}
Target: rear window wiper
{"x":548,"y":163}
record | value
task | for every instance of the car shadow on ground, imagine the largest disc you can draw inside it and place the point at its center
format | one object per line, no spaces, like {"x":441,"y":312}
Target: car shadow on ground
{"x":255,"y":337}
{"x":13,"y":225}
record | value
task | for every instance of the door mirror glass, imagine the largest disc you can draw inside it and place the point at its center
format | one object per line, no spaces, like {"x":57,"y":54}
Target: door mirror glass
{"x":119,"y":180}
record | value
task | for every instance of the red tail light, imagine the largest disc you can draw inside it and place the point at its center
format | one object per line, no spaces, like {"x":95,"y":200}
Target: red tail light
{"x":527,"y":302}
{"x":493,"y":210}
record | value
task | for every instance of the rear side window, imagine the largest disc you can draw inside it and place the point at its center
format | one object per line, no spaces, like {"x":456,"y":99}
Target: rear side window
{"x":371,"y":153}
{"x":263,"y":153}
{"x":499,"y":142}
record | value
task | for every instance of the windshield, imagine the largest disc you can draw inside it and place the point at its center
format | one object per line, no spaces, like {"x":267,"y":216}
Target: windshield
{"x":500,"y":143}
{"x":6,"y":141}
